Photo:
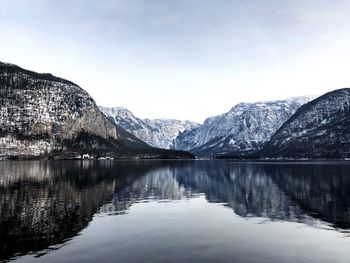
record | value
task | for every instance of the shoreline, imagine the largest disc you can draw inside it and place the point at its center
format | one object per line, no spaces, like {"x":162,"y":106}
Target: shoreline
{"x":287,"y":160}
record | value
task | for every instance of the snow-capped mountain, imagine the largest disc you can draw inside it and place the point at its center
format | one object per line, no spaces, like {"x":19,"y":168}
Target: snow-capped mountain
{"x":319,"y":129}
{"x":158,"y":132}
{"x":243,"y":129}
{"x":43,"y":115}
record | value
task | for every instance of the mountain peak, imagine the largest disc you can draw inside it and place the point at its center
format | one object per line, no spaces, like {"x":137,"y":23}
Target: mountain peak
{"x":9,"y":68}
{"x":245,"y":128}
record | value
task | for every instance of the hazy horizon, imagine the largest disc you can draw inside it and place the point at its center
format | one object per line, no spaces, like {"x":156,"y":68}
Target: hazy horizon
{"x":185,"y":59}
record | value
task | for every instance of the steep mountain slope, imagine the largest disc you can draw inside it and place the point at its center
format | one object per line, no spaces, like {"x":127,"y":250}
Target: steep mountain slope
{"x":158,"y":133}
{"x":319,"y":129}
{"x":242,"y":130}
{"x":43,"y":115}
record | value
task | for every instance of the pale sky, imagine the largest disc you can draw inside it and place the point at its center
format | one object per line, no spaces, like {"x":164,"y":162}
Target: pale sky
{"x":183,"y":59}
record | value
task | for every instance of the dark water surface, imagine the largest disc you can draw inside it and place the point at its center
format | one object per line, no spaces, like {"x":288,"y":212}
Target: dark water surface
{"x":174,"y":211}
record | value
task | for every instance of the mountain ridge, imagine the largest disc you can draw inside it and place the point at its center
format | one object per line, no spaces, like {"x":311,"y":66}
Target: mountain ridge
{"x":243,"y":129}
{"x":156,"y":132}
{"x":319,"y":129}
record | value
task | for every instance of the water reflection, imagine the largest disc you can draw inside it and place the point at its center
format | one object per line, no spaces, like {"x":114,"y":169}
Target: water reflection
{"x":278,"y":191}
{"x":46,"y":203}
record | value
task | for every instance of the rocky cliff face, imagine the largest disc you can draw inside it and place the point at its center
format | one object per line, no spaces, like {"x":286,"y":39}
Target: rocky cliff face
{"x":242,"y":130}
{"x":319,"y":129}
{"x":40,"y":113}
{"x":158,"y":133}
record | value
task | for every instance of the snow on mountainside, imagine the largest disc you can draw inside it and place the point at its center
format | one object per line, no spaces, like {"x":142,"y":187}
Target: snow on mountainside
{"x":319,"y":129}
{"x":44,"y":116}
{"x":158,"y":133}
{"x":41,"y":113}
{"x":243,"y":129}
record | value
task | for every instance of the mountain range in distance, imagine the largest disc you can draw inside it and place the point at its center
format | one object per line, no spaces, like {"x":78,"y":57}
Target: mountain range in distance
{"x":294,"y":128}
{"x":243,"y":130}
{"x":158,"y":133}
{"x":43,"y":116}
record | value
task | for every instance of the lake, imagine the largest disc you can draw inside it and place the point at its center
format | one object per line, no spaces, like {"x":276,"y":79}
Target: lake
{"x":174,"y":211}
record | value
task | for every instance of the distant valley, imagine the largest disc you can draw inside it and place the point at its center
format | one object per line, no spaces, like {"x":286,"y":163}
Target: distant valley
{"x":159,"y":133}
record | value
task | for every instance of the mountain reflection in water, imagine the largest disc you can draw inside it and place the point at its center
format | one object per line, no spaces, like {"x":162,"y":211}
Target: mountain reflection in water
{"x":44,"y":204}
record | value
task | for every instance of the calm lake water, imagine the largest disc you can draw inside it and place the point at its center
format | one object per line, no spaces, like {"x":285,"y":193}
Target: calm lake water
{"x":174,"y":211}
